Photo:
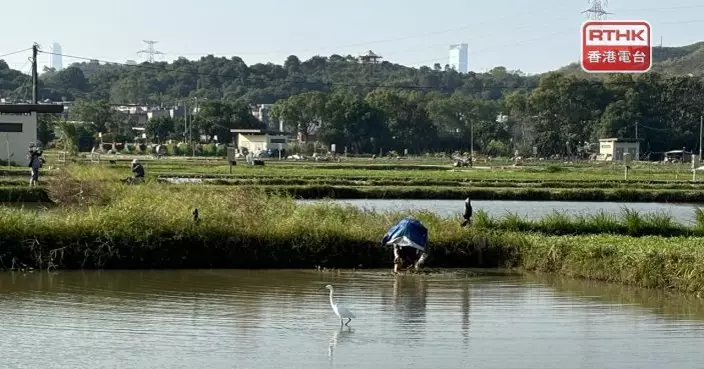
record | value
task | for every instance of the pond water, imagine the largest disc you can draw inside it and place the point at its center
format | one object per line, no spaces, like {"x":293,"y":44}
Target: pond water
{"x":282,"y":319}
{"x":684,"y":213}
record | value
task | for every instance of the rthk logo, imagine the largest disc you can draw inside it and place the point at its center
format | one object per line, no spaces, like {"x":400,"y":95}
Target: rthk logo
{"x":616,"y":46}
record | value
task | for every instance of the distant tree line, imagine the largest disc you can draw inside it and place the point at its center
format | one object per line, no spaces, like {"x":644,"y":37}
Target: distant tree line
{"x":385,"y":106}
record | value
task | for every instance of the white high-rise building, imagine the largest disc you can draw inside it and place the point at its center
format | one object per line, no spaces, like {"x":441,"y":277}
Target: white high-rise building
{"x":458,"y":57}
{"x":56,"y":59}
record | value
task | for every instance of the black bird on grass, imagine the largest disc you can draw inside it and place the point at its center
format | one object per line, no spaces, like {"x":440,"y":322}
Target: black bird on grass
{"x":195,"y":215}
{"x":467,"y":213}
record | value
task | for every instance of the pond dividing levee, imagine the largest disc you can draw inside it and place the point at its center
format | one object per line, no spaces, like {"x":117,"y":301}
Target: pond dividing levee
{"x":683,"y":213}
{"x":274,"y":319}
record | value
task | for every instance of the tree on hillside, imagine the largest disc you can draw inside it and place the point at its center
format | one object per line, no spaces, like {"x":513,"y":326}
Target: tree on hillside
{"x":217,"y":118}
{"x":301,"y":113}
{"x":159,"y":129}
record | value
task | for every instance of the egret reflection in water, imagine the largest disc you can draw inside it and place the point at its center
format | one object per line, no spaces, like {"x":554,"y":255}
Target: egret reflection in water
{"x":338,"y":335}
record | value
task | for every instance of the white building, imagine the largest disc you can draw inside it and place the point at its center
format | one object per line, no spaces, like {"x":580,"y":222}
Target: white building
{"x":612,"y":149}
{"x":458,"y":57}
{"x":56,"y":58}
{"x":18,"y":129}
{"x":17,"y":132}
{"x":256,"y":141}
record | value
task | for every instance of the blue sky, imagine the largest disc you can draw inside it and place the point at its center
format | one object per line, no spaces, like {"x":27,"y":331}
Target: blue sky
{"x":533,"y":36}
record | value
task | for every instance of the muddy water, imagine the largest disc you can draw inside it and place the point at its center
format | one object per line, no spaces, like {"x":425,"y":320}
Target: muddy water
{"x":282,"y":319}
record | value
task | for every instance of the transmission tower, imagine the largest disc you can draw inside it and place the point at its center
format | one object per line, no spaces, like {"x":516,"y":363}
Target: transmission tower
{"x":597,"y":10}
{"x":150,"y":50}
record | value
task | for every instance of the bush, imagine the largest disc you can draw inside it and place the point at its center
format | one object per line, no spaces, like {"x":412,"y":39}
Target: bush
{"x":209,"y":149}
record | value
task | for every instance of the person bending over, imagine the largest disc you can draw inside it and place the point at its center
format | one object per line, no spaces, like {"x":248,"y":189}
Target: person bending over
{"x":408,"y":257}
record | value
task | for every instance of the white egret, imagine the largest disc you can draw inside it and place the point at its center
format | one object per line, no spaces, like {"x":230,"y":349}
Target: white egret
{"x":340,"y":310}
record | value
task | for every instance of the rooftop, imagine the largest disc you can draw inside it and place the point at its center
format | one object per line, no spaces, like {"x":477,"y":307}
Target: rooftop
{"x":614,"y":139}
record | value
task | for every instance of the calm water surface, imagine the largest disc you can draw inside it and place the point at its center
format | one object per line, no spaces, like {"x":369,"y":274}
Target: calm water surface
{"x":282,"y":319}
{"x":684,"y":213}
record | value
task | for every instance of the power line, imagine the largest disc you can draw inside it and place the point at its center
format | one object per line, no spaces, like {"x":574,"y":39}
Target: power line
{"x":15,"y":52}
{"x":518,"y":42}
{"x":426,"y":34}
{"x":388,"y":40}
{"x":157,"y":67}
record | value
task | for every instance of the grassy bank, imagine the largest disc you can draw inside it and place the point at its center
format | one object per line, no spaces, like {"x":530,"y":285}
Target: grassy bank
{"x":23,"y":193}
{"x":150,"y":226}
{"x":628,"y":222}
{"x":27,"y":194}
{"x":453,"y":193}
{"x":390,"y":170}
{"x":243,"y":180}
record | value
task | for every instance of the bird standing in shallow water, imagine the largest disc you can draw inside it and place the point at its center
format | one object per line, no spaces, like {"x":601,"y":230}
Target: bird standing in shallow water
{"x":467,"y":212}
{"x":340,"y":310}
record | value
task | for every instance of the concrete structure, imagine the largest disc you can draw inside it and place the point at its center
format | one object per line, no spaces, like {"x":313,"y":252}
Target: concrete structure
{"x":257,"y":140}
{"x":458,"y":57}
{"x":159,"y":113}
{"x":56,"y":58}
{"x":611,"y":149}
{"x":18,"y":129}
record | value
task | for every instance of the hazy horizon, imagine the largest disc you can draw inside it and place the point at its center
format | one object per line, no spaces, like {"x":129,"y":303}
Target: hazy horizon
{"x":509,"y":33}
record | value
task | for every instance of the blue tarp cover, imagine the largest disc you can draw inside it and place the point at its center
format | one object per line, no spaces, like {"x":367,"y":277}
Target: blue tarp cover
{"x":407,"y":232}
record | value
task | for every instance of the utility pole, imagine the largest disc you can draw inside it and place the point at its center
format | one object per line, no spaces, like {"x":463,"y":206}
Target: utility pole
{"x":187,"y":128}
{"x":35,"y":76}
{"x":190,"y":132}
{"x":636,"y":130}
{"x":471,"y":143}
{"x":701,"y":131}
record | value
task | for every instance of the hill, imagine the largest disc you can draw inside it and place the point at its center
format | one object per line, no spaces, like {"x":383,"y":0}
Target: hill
{"x":215,"y":78}
{"x":675,"y":61}
{"x":231,"y":79}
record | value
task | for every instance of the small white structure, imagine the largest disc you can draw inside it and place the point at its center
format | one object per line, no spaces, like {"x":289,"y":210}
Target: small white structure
{"x":259,"y":140}
{"x":612,"y":149}
{"x":18,"y":129}
{"x":17,"y":132}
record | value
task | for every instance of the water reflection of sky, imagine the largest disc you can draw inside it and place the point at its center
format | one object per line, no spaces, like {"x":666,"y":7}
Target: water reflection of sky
{"x":275,"y":319}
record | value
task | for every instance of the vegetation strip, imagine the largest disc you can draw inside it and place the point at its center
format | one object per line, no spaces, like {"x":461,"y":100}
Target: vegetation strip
{"x":39,"y":194}
{"x":247,"y":229}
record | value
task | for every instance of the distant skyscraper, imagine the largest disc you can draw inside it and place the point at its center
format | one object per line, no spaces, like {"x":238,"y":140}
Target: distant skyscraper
{"x":458,"y":57}
{"x":56,"y":58}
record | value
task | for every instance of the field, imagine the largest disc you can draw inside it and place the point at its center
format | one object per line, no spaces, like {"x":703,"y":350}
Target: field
{"x":97,"y":222}
{"x":150,"y":226}
{"x":418,"y":178}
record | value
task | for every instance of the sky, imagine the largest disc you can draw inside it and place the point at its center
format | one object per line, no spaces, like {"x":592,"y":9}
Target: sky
{"x":531,"y":36}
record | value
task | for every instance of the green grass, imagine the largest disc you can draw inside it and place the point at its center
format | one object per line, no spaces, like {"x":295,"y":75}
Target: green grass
{"x":241,"y":180}
{"x":150,"y":226}
{"x":420,"y":169}
{"x":23,"y":193}
{"x":446,"y":173}
{"x":628,"y":222}
{"x":380,"y":184}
